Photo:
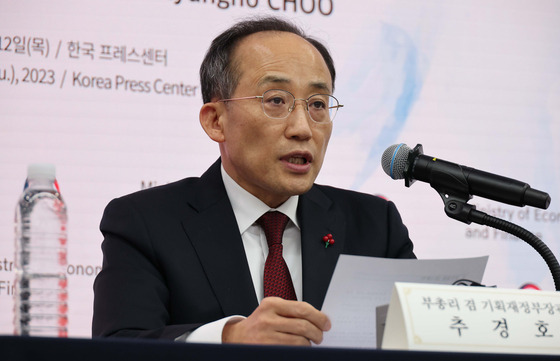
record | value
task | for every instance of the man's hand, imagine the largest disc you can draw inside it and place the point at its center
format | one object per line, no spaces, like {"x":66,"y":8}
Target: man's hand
{"x":277,"y":321}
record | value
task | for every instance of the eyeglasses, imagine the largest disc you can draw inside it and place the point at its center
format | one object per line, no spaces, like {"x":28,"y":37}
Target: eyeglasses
{"x":278,"y":104}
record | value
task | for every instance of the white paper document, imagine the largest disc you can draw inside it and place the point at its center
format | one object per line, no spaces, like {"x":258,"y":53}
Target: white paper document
{"x":360,"y":284}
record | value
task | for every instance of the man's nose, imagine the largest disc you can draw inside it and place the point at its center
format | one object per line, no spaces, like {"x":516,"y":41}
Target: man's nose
{"x":299,"y":125}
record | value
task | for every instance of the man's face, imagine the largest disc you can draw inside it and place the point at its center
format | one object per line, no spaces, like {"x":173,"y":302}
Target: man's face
{"x":274,"y":159}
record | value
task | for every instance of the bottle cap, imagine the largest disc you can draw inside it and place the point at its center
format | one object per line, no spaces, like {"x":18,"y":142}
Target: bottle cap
{"x":41,"y":171}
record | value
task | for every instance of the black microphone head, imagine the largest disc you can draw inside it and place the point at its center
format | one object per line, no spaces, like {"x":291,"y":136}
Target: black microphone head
{"x":394,"y":160}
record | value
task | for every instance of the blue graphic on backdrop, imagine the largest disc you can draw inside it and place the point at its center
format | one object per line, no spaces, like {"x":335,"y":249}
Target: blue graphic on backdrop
{"x":384,"y":85}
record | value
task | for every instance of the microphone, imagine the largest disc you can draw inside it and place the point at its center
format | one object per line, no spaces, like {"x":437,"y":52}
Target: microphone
{"x":399,"y":161}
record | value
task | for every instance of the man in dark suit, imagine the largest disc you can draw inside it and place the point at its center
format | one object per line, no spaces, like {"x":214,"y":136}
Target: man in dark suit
{"x":185,"y":260}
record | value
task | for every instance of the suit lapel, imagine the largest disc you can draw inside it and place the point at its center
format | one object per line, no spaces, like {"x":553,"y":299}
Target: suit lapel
{"x":214,"y":234}
{"x":318,"y":217}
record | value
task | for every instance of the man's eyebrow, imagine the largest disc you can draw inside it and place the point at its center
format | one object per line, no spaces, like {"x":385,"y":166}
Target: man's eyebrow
{"x":273,"y":79}
{"x":321,"y":86}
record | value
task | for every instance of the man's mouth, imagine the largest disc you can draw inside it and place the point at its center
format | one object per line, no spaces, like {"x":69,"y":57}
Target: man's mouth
{"x":297,"y":160}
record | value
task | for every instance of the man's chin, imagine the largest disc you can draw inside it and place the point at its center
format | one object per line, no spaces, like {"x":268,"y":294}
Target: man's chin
{"x":299,"y":188}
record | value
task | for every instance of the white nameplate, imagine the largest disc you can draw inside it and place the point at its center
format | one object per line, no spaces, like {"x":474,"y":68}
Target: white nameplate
{"x":472,"y":319}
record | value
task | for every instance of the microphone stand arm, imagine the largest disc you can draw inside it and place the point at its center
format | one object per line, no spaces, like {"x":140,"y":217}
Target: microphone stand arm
{"x":456,"y":207}
{"x":454,"y":191}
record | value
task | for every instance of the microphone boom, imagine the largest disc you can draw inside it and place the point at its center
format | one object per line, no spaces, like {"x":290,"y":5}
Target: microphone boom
{"x":399,"y":161}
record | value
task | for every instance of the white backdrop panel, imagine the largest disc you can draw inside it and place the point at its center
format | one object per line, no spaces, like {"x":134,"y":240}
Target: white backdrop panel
{"x":109,"y":92}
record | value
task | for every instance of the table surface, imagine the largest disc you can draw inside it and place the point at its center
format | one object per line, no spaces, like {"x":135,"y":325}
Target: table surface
{"x":16,"y":348}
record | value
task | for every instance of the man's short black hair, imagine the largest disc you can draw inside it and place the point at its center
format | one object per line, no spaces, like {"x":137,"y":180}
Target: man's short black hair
{"x":218,"y":76}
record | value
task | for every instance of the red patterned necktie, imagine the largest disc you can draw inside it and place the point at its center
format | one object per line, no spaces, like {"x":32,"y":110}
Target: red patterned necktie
{"x":277,"y":279}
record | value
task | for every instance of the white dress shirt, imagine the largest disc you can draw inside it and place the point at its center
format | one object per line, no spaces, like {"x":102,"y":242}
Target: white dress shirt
{"x":247,"y":209}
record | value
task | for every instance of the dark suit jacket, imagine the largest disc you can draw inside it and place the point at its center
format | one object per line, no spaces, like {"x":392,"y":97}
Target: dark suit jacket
{"x":173,"y":258}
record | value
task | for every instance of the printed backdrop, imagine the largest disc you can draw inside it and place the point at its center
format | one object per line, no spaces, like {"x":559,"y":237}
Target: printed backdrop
{"x":109,"y":92}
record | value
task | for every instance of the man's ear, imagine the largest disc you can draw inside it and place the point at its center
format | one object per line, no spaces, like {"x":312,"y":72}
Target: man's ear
{"x":211,"y":120}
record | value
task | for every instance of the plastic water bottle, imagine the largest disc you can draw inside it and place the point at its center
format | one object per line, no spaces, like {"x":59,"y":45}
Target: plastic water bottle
{"x":41,"y":297}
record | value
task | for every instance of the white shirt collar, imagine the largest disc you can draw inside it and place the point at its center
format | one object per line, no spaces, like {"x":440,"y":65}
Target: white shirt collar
{"x":248,"y":208}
